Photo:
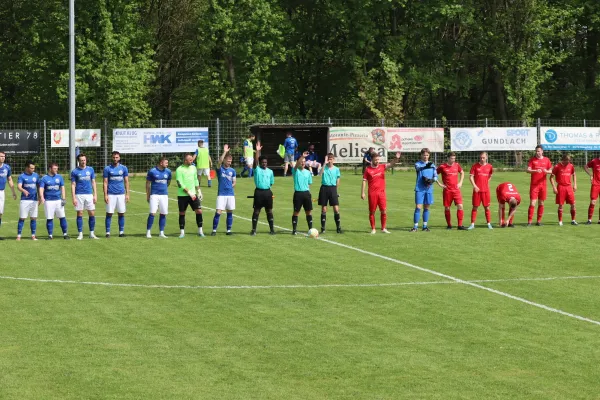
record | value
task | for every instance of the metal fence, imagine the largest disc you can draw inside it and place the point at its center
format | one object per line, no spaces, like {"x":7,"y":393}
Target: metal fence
{"x":233,"y":133}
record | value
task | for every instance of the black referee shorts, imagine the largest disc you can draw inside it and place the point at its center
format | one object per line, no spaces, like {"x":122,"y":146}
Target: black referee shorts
{"x":263,"y":198}
{"x":328,"y":194}
{"x":302,"y":200}
{"x":184,"y":201}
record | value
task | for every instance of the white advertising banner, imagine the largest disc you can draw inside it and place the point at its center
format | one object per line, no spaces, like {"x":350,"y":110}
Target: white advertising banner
{"x":493,"y":139}
{"x":412,"y":140}
{"x":158,"y":140}
{"x":83,"y":138}
{"x":570,"y":138}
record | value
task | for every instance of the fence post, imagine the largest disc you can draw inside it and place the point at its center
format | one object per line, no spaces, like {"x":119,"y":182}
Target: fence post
{"x":105,"y":142}
{"x":218,"y":137}
{"x":586,"y":152}
{"x":45,"y":148}
{"x":539,"y":131}
{"x":383,"y":122}
{"x":160,"y":124}
{"x":329,"y":121}
{"x":435,"y":154}
{"x":486,"y":122}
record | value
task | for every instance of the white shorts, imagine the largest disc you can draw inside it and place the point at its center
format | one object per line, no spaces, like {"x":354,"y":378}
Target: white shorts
{"x":250,"y":162}
{"x":312,"y":164}
{"x":159,"y":202}
{"x":204,"y":171}
{"x":85,"y":202}
{"x":1,"y":202}
{"x":116,"y":202}
{"x":54,"y":208}
{"x":28,"y":208}
{"x":225,"y":202}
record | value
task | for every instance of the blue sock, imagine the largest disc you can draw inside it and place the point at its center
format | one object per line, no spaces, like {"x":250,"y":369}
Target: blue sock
{"x":251,"y":174}
{"x":417,"y":216}
{"x":150,"y":222}
{"x":50,"y":226}
{"x":91,"y":223}
{"x":162,"y":222}
{"x":229,"y":221}
{"x":121,"y":219}
{"x":33,"y":226}
{"x":209,"y":183}
{"x":425,"y":216}
{"x":20,"y":226}
{"x":216,"y":221}
{"x":79,"y":224}
{"x":63,"y":225}
{"x":107,"y":222}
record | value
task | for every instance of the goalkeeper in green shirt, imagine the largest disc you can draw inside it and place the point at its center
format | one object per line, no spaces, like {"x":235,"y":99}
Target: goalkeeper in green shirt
{"x":188,"y":193}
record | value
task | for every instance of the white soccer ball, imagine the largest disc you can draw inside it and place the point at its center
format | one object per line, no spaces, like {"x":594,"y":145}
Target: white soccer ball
{"x":313,"y":233}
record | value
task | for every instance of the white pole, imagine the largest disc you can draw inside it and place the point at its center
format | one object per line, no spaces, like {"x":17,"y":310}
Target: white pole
{"x":72,"y":83}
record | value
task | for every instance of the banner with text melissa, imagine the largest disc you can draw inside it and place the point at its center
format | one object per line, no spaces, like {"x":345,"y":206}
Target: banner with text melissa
{"x":493,"y":139}
{"x":20,"y":141}
{"x":158,"y":140}
{"x":570,"y":138}
{"x":83,"y":138}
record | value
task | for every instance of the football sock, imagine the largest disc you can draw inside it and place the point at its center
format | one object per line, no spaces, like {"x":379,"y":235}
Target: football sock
{"x":372,"y":220}
{"x":0,"y":221}
{"x":336,"y":218}
{"x":182,"y":222}
{"x":383,"y":218}
{"x":560,"y":213}
{"x":488,"y":216}
{"x":91,"y":223}
{"x":199,"y":220}
{"x":309,"y":221}
{"x":251,"y":174}
{"x":121,"y":220}
{"x":323,"y":220}
{"x":209,"y":183}
{"x":107,"y":222}
{"x":540,"y":213}
{"x":473,"y":216}
{"x":20,"y":226}
{"x":229,"y":221}
{"x":417,"y":216}
{"x":63,"y":225}
{"x":33,"y":226}
{"x":294,"y":222}
{"x":510,"y":222}
{"x":79,"y":224}
{"x":150,"y":222}
{"x":572,"y":214}
{"x":503,"y":219}
{"x":460,"y":214}
{"x":530,"y":212}
{"x":162,"y":222}
{"x":270,"y":220}
{"x":448,"y":217}
{"x":216,"y":221}
{"x":425,"y":216}
{"x":590,"y":212}
{"x":50,"y":226}
{"x":254,"y":220}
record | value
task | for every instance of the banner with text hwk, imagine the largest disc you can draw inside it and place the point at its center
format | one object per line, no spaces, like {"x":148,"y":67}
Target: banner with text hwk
{"x":158,"y":140}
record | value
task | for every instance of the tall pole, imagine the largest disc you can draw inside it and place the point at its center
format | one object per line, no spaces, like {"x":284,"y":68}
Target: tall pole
{"x":72,"y":83}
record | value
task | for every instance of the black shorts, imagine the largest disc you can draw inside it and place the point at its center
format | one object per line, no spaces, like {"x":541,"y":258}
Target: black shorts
{"x":328,"y":194}
{"x":263,"y":198}
{"x":302,"y":199}
{"x":184,"y":201}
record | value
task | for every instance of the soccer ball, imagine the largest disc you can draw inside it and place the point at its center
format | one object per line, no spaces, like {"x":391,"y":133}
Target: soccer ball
{"x":313,"y":233}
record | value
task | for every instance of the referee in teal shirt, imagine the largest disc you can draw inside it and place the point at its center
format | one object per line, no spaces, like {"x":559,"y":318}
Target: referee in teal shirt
{"x":328,"y":194}
{"x":263,"y":197}
{"x":302,"y":197}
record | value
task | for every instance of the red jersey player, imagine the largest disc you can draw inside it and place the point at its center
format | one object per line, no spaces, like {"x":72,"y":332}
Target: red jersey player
{"x":480,"y":176}
{"x":539,"y":166}
{"x":507,"y":193}
{"x":562,"y":173}
{"x":450,"y":172}
{"x":594,"y":165}
{"x":375,"y":176}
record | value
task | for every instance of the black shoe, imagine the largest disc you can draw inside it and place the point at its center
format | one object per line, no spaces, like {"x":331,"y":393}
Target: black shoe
{"x":1,"y":238}
{"x":425,"y":229}
{"x":322,"y":230}
{"x":462,"y":228}
{"x":511,"y":225}
{"x":294,"y":233}
{"x":121,"y":235}
{"x":539,"y":224}
{"x":339,"y":230}
{"x":213,"y":233}
{"x":588,"y":223}
{"x":49,"y":238}
{"x":67,"y":237}
{"x":252,"y":232}
{"x":108,"y":236}
{"x":414,"y":230}
{"x":229,"y":233}
{"x":449,"y":227}
{"x":529,"y":225}
{"x":272,"y":233}
{"x":503,"y":226}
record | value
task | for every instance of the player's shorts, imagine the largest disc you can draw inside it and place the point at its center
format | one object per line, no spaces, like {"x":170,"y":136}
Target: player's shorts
{"x":538,"y":192}
{"x":116,"y":202}
{"x":377,"y":199}
{"x":249,"y":162}
{"x":85,"y":202}
{"x":450,"y":196}
{"x":204,"y":171}
{"x":225,"y":203}
{"x":328,"y":194}
{"x":565,"y":195}
{"x":160,"y":203}
{"x":184,"y":201}
{"x":423,"y":197}
{"x":481,"y":198}
{"x":1,"y":202}
{"x":288,"y":157}
{"x":312,"y":164}
{"x":263,"y":198}
{"x":54,"y":208}
{"x":28,"y":208}
{"x":302,"y":200}
{"x":594,"y":192}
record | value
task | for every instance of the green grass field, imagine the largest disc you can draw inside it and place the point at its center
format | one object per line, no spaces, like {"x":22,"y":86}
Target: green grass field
{"x":345,"y":316}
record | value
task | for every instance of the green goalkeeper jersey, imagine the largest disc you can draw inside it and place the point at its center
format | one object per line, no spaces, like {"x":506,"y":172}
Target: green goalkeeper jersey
{"x":187,"y":177}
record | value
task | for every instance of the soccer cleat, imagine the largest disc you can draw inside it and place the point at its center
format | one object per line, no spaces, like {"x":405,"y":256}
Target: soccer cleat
{"x":121,"y":235}
{"x":213,"y":233}
{"x":539,"y":224}
{"x":503,"y":226}
{"x":425,"y":229}
{"x":589,"y":222}
{"x":560,"y":223}
{"x":294,"y":233}
{"x":574,"y":223}
{"x":272,"y":233}
{"x":373,"y":232}
{"x":322,"y":231}
{"x":93,"y":236}
{"x":1,"y":238}
{"x":449,"y":227}
{"x":252,"y":232}
{"x":67,"y":237}
{"x":148,"y":235}
{"x":339,"y":230}
{"x":107,"y":236}
{"x":163,"y":236}
{"x":49,"y":238}
{"x":385,"y":231}
{"x":510,"y":225}
{"x":490,"y":226}
{"x":599,"y":222}
{"x":414,"y":230}
{"x":33,"y":237}
{"x":471,"y":227}
{"x":529,"y":225}
{"x":182,"y":236}
{"x":462,"y":228}
{"x":229,"y":233}
{"x":201,"y":235}
{"x":80,"y":236}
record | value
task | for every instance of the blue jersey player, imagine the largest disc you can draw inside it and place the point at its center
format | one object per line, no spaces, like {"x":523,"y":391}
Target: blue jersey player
{"x":225,"y":196}
{"x":84,"y":195}
{"x":116,"y":192}
{"x":5,"y":177}
{"x":291,"y":145}
{"x":27,"y":184}
{"x":53,"y":197}
{"x":426,"y":176}
{"x":157,"y":191}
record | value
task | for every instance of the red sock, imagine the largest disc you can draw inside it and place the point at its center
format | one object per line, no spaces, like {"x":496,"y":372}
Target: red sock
{"x":372,"y":220}
{"x":488,"y":216}
{"x":473,"y":216}
{"x":540,"y":213}
{"x":560,"y":214}
{"x":590,"y":212}
{"x":572,"y":214}
{"x":510,"y":222}
{"x":460,"y":214}
{"x":530,"y":214}
{"x":448,"y":217}
{"x":383,"y":220}
{"x":503,"y":217}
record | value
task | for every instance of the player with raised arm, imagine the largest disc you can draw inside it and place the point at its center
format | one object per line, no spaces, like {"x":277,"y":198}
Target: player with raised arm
{"x":203,"y":162}
{"x":594,"y":166}
{"x":480,"y":176}
{"x":450,"y":171}
{"x":374,"y":176}
{"x":27,"y":184}
{"x":426,"y":176}
{"x":225,"y":196}
{"x":290,"y":144}
{"x":302,"y":197}
{"x":53,"y":197}
{"x":188,"y":194}
{"x":84,"y":195}
{"x":158,"y":180}
{"x":248,"y":151}
{"x":506,"y":192}
{"x":263,"y":196}
{"x":116,"y":192}
{"x":328,"y":193}
{"x":561,"y":184}
{"x":538,"y":167}
{"x":5,"y":177}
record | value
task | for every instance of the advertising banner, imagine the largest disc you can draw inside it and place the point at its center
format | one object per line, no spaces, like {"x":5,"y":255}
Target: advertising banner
{"x":20,"y":141}
{"x":570,"y":138}
{"x":349,"y":144}
{"x":158,"y":140}
{"x":412,"y":140}
{"x":83,"y":138}
{"x":493,"y":139}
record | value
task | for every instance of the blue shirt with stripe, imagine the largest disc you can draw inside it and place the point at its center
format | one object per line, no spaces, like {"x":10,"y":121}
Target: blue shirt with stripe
{"x":5,"y":173}
{"x":83,"y":178}
{"x":290,"y":145}
{"x":29,"y":183}
{"x":116,"y":178}
{"x":226,"y":177}
{"x":159,"y":180}
{"x":52,"y":187}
